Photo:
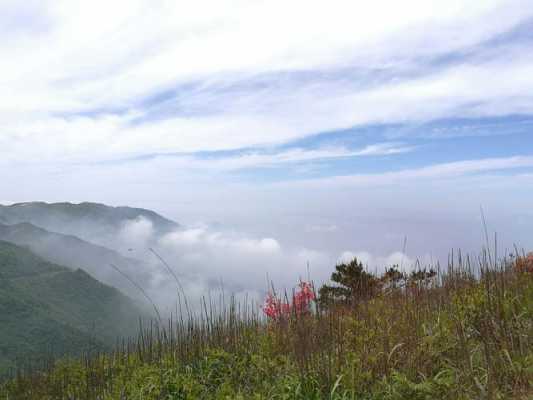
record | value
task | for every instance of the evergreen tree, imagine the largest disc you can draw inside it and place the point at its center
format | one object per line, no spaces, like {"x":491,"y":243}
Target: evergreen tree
{"x":352,"y":283}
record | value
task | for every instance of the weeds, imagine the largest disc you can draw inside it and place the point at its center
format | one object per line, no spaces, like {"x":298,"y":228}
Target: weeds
{"x":463,"y":334}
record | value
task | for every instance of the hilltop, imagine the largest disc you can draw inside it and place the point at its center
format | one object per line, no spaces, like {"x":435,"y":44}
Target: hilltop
{"x":88,"y":221}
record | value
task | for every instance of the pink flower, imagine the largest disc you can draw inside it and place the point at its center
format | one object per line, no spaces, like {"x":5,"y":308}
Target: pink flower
{"x":276,"y":309}
{"x":303,"y":298}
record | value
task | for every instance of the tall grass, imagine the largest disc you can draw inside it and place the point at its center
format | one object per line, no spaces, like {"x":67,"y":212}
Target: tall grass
{"x":466,"y":333}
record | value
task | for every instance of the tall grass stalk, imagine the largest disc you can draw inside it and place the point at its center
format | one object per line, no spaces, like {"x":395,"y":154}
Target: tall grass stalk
{"x":466,"y":333}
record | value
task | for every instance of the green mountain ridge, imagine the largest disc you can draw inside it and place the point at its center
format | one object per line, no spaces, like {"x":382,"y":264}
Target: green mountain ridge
{"x":83,"y":219}
{"x":47,"y":308}
{"x":73,"y":252}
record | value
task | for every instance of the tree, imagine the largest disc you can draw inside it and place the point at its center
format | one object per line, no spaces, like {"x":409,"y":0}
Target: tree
{"x":393,"y":278}
{"x":421,"y":277}
{"x":353,"y":283}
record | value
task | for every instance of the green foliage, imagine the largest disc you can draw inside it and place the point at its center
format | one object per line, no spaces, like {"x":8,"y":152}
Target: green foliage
{"x":464,"y":339}
{"x":48,"y":310}
{"x":353,"y":283}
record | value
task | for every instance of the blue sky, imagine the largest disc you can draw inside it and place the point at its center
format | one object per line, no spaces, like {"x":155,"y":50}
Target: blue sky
{"x":241,"y":112}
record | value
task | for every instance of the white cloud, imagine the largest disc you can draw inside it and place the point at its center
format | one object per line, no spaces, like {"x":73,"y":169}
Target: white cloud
{"x":152,"y":44}
{"x":254,"y":159}
{"x":135,"y":233}
{"x":379,"y":263}
{"x":436,"y":171}
{"x":205,"y":259}
{"x":108,"y":57}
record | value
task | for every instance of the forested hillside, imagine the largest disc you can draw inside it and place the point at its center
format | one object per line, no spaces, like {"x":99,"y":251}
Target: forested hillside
{"x":50,"y":309}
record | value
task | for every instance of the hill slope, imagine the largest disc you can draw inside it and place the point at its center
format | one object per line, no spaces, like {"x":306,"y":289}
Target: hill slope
{"x":76,"y":253}
{"x":45,"y":308}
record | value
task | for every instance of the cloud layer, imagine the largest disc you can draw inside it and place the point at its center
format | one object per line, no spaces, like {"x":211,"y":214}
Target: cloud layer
{"x":100,"y":81}
{"x":208,"y":261}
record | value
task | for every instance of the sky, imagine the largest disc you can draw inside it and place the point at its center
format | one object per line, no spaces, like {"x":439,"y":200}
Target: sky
{"x":318,"y":129}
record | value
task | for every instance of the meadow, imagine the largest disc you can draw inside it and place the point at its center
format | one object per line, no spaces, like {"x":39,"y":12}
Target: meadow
{"x":463,"y":332}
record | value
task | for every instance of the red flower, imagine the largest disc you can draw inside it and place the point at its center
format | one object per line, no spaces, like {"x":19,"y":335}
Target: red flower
{"x":276,"y":309}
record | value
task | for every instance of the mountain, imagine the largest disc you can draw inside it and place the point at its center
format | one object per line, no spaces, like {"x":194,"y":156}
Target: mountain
{"x":47,"y":308}
{"x":93,"y":222}
{"x":76,"y":253}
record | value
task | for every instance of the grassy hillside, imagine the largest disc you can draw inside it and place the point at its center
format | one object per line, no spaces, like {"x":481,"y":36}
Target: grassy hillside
{"x":463,"y":335}
{"x":46,"y":308}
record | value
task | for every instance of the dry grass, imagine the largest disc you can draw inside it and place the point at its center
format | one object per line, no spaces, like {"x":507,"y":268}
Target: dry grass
{"x":464,"y":334}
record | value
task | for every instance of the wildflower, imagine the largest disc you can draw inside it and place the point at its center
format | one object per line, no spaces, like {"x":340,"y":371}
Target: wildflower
{"x":276,"y":309}
{"x":303,"y":298}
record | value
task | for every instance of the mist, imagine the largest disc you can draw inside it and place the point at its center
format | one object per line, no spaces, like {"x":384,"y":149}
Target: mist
{"x":243,"y":236}
{"x":207,"y":259}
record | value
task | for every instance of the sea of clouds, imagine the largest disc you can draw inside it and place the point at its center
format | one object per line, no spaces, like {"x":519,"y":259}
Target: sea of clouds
{"x":208,"y":260}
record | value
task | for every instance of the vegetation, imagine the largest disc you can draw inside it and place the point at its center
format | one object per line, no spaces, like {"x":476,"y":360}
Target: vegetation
{"x":74,"y":253}
{"x":465,"y":334}
{"x":352,"y":283}
{"x":48,"y":310}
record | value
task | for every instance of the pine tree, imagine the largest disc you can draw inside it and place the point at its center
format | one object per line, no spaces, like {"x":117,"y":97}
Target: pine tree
{"x":352,"y":283}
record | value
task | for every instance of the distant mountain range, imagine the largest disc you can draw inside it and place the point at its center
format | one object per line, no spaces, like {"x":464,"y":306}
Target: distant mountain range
{"x":47,"y":308}
{"x":55,"y":277}
{"x":89,"y":221}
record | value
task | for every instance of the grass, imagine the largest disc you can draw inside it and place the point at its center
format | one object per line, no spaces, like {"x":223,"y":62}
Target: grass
{"x":464,"y":334}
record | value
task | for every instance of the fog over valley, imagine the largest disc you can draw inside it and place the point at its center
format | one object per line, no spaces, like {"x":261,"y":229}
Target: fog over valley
{"x":209,"y":258}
